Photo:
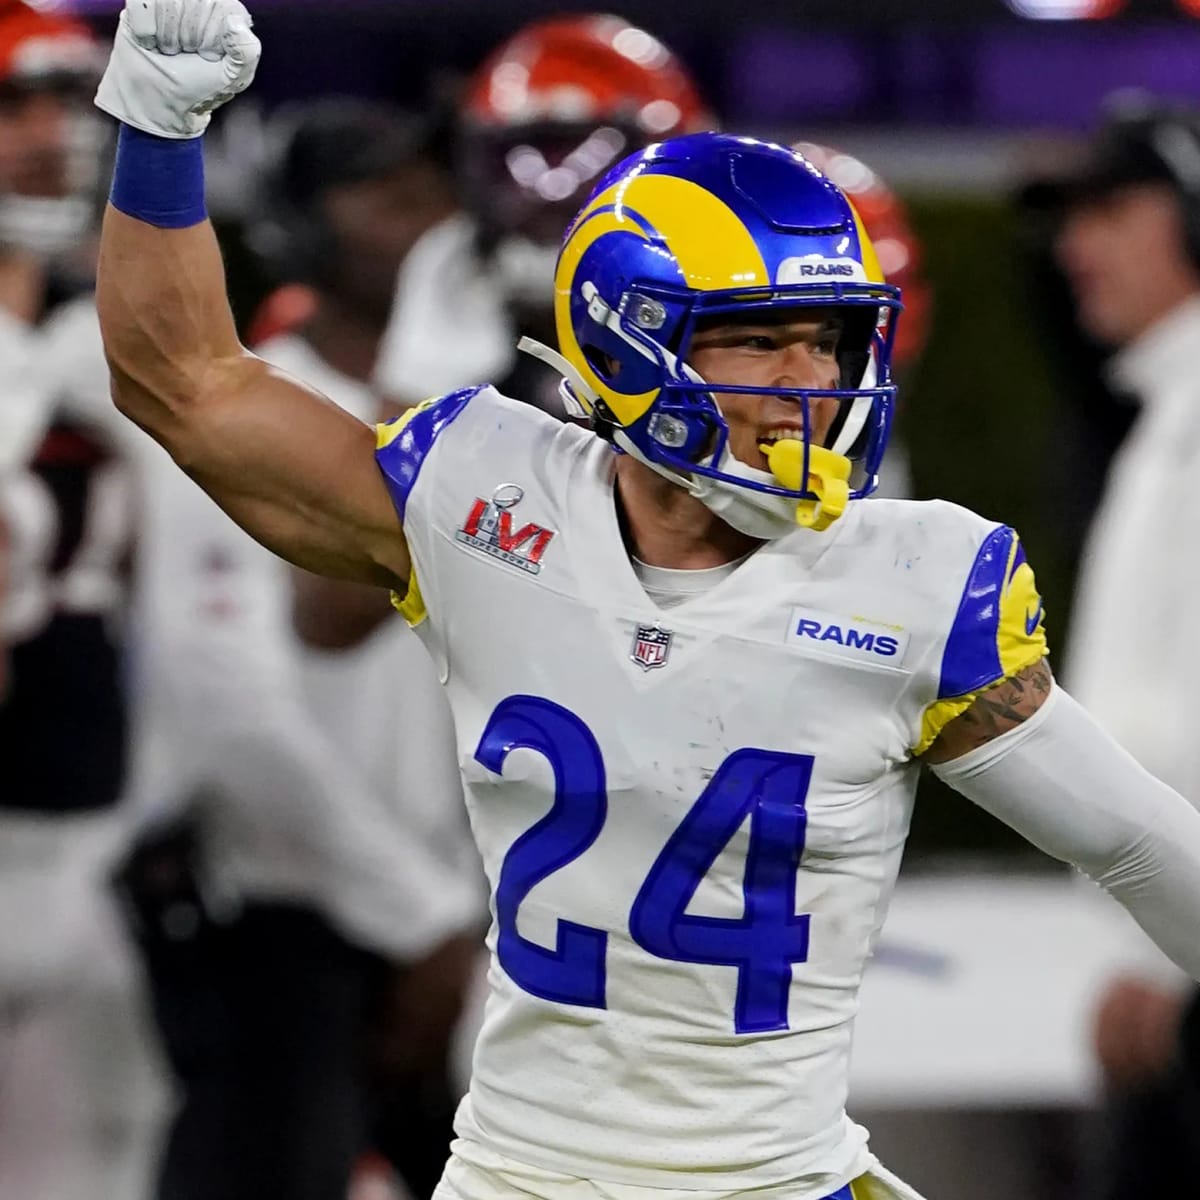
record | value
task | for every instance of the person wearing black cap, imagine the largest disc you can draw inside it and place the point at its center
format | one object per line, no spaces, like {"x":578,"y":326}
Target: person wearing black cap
{"x":1128,"y":244}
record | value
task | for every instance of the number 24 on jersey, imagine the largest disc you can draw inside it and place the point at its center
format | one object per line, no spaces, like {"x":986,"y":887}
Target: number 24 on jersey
{"x":768,"y":786}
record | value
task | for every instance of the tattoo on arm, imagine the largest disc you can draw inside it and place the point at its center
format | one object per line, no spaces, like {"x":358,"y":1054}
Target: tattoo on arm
{"x":994,"y":712}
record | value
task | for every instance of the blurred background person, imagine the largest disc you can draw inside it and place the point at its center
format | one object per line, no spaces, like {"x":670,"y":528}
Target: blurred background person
{"x":279,"y":898}
{"x":81,"y":1096}
{"x":546,"y":114}
{"x":24,"y":408}
{"x":354,"y":186}
{"x":1128,"y":244}
{"x":306,"y":917}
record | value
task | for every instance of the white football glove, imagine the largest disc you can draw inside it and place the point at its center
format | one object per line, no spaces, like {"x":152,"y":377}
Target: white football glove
{"x":174,"y":61}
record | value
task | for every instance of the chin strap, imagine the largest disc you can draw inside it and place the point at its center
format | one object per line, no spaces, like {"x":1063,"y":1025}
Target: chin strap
{"x":575,"y":386}
{"x":622,"y":441}
{"x":575,"y":393}
{"x":828,"y":480}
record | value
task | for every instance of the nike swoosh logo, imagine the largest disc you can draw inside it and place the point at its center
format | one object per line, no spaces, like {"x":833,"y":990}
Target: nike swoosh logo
{"x":1031,"y":622}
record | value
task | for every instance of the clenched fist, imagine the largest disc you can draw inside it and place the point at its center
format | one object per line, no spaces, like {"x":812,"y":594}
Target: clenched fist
{"x":174,"y":61}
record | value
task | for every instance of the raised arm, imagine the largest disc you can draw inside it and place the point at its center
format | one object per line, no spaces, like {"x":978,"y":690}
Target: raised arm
{"x":292,"y":468}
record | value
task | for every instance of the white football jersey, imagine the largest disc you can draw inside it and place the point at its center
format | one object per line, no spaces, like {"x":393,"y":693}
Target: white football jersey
{"x":692,"y":819}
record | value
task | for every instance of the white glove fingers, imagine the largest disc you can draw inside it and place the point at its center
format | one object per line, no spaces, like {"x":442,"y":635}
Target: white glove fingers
{"x":175,"y":61}
{"x":235,"y":8}
{"x":211,"y":47}
{"x":141,"y":18}
{"x":170,"y":17}
{"x":192,"y":22}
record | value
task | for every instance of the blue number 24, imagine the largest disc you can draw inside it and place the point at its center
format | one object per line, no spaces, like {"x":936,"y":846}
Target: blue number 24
{"x":768,"y":786}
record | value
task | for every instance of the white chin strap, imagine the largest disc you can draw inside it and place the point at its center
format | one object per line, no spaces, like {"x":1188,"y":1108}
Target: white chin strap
{"x":762,"y":515}
{"x":757,"y":514}
{"x":860,"y":410}
{"x":578,"y":398}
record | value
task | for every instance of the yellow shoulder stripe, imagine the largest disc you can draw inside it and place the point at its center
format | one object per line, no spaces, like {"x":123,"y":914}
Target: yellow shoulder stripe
{"x":939,"y":714}
{"x":999,"y":630}
{"x":387,"y":432}
{"x":411,"y":606}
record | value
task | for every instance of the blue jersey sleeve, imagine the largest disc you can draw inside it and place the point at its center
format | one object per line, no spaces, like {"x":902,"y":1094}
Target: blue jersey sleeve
{"x":998,"y":630}
{"x":402,"y":448}
{"x":403,"y":445}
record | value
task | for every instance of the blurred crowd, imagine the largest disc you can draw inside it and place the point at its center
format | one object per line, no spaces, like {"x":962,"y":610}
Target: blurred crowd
{"x":241,"y":918}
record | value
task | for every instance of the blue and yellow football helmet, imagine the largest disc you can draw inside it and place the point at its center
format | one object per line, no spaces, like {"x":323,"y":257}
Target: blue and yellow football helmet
{"x":711,"y":224}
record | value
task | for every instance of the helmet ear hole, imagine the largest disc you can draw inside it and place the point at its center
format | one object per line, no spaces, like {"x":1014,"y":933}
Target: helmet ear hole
{"x":605,"y":366}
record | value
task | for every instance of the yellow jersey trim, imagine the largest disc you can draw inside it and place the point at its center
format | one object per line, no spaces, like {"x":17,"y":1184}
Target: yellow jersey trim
{"x":939,"y":714}
{"x":411,"y":606}
{"x":387,"y":432}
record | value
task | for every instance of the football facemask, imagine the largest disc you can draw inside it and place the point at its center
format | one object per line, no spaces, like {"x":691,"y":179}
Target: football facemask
{"x":713,"y":226}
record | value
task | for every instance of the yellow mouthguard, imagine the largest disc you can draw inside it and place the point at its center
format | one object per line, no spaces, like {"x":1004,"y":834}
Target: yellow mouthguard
{"x":828,"y":480}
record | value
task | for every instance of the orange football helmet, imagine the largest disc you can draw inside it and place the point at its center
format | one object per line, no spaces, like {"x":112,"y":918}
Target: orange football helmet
{"x":50,"y":141}
{"x":592,"y":69}
{"x":39,"y":47}
{"x":545,"y":116}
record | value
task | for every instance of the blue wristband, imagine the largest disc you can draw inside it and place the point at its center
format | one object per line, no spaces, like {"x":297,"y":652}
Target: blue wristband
{"x":159,"y":180}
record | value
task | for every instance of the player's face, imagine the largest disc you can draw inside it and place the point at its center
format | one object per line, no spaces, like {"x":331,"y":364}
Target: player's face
{"x":36,"y":130}
{"x":796,"y":349}
{"x":1124,"y":257}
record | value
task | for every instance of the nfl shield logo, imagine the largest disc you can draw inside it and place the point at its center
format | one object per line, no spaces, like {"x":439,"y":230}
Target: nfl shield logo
{"x":651,"y":645}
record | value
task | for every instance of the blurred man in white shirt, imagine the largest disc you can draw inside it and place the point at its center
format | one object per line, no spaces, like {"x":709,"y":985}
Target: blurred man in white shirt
{"x":1129,"y":247}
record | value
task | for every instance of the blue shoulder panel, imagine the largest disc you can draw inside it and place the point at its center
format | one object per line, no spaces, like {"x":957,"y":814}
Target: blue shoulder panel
{"x":404,"y":443}
{"x":971,"y":659}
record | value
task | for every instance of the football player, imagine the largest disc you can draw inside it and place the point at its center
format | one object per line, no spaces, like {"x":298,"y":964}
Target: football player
{"x":693,"y":679}
{"x":544,"y":116}
{"x":49,"y":165}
